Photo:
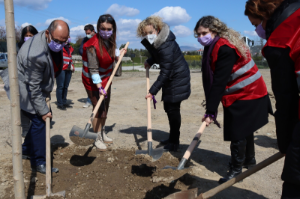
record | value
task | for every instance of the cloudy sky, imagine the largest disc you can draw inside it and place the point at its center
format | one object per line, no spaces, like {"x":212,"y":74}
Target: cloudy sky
{"x":180,"y":15}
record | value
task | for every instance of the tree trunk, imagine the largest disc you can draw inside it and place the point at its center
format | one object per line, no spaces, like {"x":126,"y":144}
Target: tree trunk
{"x":14,"y":101}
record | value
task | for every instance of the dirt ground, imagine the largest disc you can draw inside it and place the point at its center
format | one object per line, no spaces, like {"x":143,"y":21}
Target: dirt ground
{"x":118,"y":173}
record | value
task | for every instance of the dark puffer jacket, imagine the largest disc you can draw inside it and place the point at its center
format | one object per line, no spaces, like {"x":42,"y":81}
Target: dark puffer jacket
{"x":174,"y":77}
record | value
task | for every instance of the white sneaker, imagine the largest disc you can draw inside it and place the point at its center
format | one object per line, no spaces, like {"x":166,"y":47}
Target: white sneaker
{"x":99,"y":143}
{"x":106,"y":139}
{"x":86,"y":105}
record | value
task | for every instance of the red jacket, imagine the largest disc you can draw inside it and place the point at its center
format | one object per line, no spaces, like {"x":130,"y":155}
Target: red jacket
{"x":68,"y":59}
{"x":105,"y":65}
{"x":287,"y":35}
{"x":245,"y":83}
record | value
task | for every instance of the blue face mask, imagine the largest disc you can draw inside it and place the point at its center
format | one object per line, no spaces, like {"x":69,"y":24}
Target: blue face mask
{"x":89,"y":36}
{"x":55,"y":47}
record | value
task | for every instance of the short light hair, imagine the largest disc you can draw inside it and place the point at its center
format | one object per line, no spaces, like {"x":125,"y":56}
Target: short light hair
{"x":155,"y":21}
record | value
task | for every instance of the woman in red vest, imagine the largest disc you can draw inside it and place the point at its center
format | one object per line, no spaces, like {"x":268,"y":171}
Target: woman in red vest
{"x":64,"y":78}
{"x":278,"y":22}
{"x":231,"y":76}
{"x":98,"y":58}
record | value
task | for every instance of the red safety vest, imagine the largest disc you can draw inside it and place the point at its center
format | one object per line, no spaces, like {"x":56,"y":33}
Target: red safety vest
{"x":287,"y":35}
{"x":68,"y":59}
{"x":245,"y":83}
{"x":105,"y":65}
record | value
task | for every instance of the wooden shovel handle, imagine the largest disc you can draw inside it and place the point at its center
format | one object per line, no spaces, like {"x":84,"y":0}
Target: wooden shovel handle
{"x":48,"y":153}
{"x":149,"y":126}
{"x":195,"y":141}
{"x":240,"y":177}
{"x":107,"y":86}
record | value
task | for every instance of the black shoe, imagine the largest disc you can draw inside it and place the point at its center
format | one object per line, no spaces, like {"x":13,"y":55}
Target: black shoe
{"x":171,"y":147}
{"x":233,"y":172}
{"x":68,"y":106}
{"x":249,"y":163}
{"x":164,"y":142}
{"x":62,"y":108}
{"x":25,"y":157}
{"x":42,"y":169}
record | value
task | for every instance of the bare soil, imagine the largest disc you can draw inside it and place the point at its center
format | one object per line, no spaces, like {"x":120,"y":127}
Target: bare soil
{"x":118,"y":173}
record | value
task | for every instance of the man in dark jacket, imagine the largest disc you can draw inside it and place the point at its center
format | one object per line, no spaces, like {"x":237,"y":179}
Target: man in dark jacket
{"x":174,"y":78}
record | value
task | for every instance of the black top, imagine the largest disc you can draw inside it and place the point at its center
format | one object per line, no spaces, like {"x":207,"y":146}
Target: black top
{"x":226,"y":59}
{"x":174,"y":77}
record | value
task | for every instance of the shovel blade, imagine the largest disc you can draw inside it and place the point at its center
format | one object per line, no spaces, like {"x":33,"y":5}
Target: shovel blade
{"x":188,"y":194}
{"x":154,"y":153}
{"x":170,"y":167}
{"x":157,"y":153}
{"x":82,"y":137}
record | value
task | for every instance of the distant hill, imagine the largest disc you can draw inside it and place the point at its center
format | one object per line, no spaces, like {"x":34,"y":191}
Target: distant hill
{"x":188,"y":48}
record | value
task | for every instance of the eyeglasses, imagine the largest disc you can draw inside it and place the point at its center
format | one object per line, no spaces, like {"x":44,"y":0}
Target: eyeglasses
{"x":57,"y":41}
{"x":104,"y":18}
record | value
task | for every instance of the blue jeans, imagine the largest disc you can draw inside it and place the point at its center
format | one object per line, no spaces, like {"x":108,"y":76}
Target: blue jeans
{"x":62,"y":81}
{"x":35,"y":140}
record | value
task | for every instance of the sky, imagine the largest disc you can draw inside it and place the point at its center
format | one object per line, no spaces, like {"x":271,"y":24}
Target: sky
{"x":180,"y":15}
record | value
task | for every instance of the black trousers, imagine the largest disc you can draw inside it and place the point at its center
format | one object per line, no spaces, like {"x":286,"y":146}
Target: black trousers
{"x":290,"y":191}
{"x":173,"y":112}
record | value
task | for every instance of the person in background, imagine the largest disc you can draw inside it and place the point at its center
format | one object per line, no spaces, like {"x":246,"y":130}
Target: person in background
{"x":90,"y":32}
{"x":27,"y":33}
{"x":231,"y":76}
{"x":278,"y":22}
{"x":99,"y":54}
{"x":39,"y":60}
{"x":64,"y":78}
{"x":174,"y":78}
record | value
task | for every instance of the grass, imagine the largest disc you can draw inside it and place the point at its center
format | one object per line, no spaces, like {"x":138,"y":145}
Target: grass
{"x":78,"y":65}
{"x":131,"y":64}
{"x":125,"y":71}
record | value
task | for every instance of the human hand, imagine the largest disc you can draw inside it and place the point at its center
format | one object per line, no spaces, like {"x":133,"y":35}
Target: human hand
{"x":44,"y":117}
{"x":123,"y":50}
{"x":147,"y":66}
{"x":102,"y":91}
{"x":208,"y":120}
{"x":149,"y":95}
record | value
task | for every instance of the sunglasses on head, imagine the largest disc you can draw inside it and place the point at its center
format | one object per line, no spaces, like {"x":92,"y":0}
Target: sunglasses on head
{"x":104,"y":18}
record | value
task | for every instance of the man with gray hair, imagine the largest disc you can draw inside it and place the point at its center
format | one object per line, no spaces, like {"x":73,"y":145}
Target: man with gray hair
{"x":39,"y":61}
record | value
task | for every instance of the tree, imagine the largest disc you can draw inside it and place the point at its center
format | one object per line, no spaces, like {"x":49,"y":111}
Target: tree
{"x":18,"y":33}
{"x":2,"y":33}
{"x":79,"y":39}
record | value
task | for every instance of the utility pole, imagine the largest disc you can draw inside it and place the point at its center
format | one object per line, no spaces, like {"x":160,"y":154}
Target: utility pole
{"x":14,"y":101}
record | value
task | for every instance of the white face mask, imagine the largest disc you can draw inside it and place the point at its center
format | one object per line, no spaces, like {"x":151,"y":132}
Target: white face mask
{"x":151,"y":38}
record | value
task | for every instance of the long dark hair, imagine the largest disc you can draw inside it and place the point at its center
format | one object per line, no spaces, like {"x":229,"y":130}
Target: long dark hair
{"x":26,"y":29}
{"x":112,"y":40}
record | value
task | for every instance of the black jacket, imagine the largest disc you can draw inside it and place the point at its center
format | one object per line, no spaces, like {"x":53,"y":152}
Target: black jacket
{"x":174,"y":77}
{"x":284,"y":86}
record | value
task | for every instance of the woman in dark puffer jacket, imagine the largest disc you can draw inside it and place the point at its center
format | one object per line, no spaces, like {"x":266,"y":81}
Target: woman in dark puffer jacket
{"x":174,"y":77}
{"x":278,"y":22}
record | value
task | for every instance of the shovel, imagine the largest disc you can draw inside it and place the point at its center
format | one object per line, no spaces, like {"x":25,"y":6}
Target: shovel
{"x":155,"y":153}
{"x":48,"y":164}
{"x":82,"y":136}
{"x":190,"y":194}
{"x":189,"y":151}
